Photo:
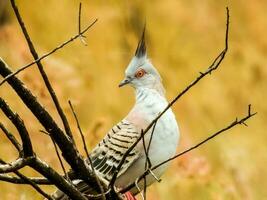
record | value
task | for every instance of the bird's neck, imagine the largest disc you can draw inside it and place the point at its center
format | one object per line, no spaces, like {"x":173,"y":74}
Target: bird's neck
{"x":149,"y":95}
{"x":156,"y":88}
{"x":149,"y":103}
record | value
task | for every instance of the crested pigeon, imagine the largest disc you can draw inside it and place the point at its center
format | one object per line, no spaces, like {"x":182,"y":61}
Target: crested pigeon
{"x":150,"y":101}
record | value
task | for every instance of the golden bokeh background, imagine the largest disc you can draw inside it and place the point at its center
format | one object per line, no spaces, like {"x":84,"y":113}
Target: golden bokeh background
{"x":183,"y":37}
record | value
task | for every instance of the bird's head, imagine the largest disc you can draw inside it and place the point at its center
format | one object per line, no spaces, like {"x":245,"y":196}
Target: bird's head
{"x":140,"y":72}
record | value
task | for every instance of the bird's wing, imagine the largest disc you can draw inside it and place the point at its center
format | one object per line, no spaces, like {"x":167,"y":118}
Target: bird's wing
{"x":109,"y":152}
{"x":107,"y":155}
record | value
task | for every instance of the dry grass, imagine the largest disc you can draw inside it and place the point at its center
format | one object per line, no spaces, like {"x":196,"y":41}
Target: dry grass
{"x":183,"y":38}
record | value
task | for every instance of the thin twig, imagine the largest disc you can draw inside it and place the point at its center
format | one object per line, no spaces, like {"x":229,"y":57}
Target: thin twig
{"x":147,"y":163}
{"x":86,"y":151}
{"x":151,"y":136}
{"x":80,"y":130}
{"x":42,"y":71}
{"x":146,"y":150}
{"x":79,"y":25}
{"x":145,"y":187}
{"x":94,"y":196}
{"x":60,"y":160}
{"x":58,"y":155}
{"x":34,"y":185}
{"x":230,"y":126}
{"x":16,"y":180}
{"x":215,"y":64}
{"x":236,"y":122}
{"x":30,"y":182}
{"x":147,"y":158}
{"x":138,"y":188}
{"x":49,"y":53}
{"x":79,"y":18}
{"x":19,"y":124}
{"x":12,"y":138}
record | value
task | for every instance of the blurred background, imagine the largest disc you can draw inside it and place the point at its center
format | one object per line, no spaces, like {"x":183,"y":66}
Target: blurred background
{"x":183,"y":38}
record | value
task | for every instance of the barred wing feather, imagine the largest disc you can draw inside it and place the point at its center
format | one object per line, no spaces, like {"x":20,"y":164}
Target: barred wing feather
{"x":109,"y":152}
{"x":107,"y":155}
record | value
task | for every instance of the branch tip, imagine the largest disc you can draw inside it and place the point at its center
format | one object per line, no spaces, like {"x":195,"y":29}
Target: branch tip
{"x":81,"y":36}
{"x":249,"y":109}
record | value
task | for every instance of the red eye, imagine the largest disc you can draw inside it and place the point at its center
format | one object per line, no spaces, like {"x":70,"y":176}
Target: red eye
{"x":140,"y":73}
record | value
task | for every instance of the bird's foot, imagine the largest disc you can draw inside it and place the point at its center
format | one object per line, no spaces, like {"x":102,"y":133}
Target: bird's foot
{"x":129,"y":196}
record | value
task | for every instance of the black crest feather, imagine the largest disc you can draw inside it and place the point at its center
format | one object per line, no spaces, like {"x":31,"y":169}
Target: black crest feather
{"x":141,"y":48}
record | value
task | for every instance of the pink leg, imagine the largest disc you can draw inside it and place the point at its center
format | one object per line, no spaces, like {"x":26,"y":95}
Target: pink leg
{"x":129,"y":196}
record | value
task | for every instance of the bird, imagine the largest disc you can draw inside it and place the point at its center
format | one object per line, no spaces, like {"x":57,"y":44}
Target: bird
{"x":150,"y":101}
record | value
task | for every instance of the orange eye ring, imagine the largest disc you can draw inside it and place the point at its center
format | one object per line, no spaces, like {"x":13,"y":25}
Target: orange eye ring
{"x":140,"y":73}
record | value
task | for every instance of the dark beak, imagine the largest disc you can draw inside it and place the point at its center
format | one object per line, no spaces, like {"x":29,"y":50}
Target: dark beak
{"x":124,"y":82}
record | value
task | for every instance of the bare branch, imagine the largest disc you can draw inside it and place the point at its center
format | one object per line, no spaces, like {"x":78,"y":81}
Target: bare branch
{"x":34,"y":185}
{"x":147,"y":163}
{"x":145,"y":187}
{"x":69,"y":152}
{"x":49,"y":53}
{"x":58,"y":155}
{"x":96,"y":196}
{"x":41,"y":70}
{"x":19,"y":124}
{"x":138,"y":188}
{"x":12,"y":138}
{"x":151,"y":136}
{"x":86,"y":151}
{"x":79,"y":25}
{"x":146,"y":150}
{"x":79,"y":18}
{"x":15,"y":165}
{"x":236,"y":122}
{"x":44,"y":169}
{"x":16,"y":180}
{"x":28,"y":181}
{"x":230,"y":126}
{"x":60,"y":160}
{"x":80,"y":130}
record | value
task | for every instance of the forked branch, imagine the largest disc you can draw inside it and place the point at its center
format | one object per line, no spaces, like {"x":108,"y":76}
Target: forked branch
{"x":27,"y":180}
{"x":11,"y":138}
{"x":41,"y":70}
{"x":19,"y":124}
{"x":236,"y":122}
{"x":60,"y":46}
